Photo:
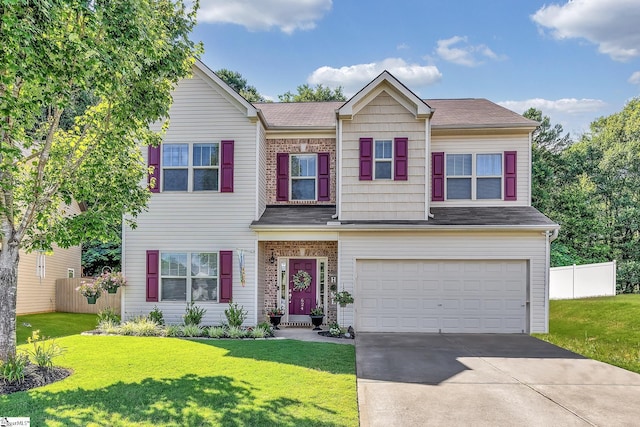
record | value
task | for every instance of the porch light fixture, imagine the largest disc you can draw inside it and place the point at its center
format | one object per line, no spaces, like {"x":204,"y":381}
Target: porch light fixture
{"x":272,"y":260}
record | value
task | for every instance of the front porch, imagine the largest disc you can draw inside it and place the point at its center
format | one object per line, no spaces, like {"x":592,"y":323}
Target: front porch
{"x":281,"y":283}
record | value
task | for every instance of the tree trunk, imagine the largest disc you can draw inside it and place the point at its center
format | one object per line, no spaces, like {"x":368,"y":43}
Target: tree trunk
{"x":9,"y":258}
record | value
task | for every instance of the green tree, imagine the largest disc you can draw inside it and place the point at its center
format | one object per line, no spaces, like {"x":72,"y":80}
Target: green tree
{"x":240,"y":85}
{"x":307,"y":93}
{"x":125,"y":56}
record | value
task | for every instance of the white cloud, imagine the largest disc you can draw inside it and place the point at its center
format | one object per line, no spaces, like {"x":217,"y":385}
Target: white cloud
{"x":353,"y":77}
{"x":457,"y":50}
{"x":612,"y":24}
{"x":262,"y":15}
{"x":402,"y":46}
{"x":635,"y":78}
{"x":564,"y":105}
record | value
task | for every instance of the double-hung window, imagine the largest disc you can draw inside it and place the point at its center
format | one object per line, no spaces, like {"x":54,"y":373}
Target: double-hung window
{"x":303,"y":176}
{"x":474,"y":177}
{"x":383,"y":159}
{"x":190,"y":167}
{"x":189,"y":276}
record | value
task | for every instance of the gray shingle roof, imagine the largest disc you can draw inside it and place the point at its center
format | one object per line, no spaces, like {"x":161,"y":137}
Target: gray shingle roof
{"x":449,"y":113}
{"x":499,"y":216}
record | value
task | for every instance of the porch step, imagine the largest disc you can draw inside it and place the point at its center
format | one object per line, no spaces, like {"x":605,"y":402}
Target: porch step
{"x":296,"y":324}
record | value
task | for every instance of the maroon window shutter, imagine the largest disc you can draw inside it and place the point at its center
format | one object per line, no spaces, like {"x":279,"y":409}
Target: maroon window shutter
{"x":282,"y":177}
{"x":366,"y":159}
{"x":400,"y":159}
{"x":510,"y":175}
{"x":324,"y":177}
{"x":437,"y":177}
{"x":152,"y":275}
{"x":226,"y":275}
{"x":226,"y":167}
{"x":154,"y":161}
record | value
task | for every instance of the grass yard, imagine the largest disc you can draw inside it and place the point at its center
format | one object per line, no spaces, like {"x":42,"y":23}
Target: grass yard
{"x":54,"y":325}
{"x":144,"y":381}
{"x":605,"y":329}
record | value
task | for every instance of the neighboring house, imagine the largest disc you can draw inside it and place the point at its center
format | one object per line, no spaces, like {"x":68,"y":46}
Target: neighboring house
{"x":420,"y":208}
{"x":38,"y":271}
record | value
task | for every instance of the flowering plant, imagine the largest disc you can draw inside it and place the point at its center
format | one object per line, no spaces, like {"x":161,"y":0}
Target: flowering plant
{"x":318,"y":311}
{"x":343,"y":298}
{"x":113,"y":281}
{"x":276,"y":311}
{"x":89,"y":289}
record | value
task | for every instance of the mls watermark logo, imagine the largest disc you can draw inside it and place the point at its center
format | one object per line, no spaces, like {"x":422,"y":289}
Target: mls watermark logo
{"x":15,"y":421}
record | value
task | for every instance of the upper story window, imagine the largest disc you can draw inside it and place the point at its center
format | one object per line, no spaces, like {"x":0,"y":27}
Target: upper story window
{"x":303,"y":176}
{"x":190,"y":167}
{"x":474,"y":177}
{"x":383,"y":159}
{"x":189,"y":276}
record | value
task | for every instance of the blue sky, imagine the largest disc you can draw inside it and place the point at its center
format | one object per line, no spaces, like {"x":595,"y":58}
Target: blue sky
{"x":575,"y":61}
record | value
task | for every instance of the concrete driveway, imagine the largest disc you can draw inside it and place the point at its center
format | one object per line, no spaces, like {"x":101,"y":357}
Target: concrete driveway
{"x":487,"y":380}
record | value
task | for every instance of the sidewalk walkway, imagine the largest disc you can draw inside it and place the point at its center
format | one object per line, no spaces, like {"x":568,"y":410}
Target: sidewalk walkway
{"x":307,"y":334}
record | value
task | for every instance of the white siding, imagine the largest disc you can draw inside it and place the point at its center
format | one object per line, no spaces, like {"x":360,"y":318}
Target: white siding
{"x":489,"y":144}
{"x":199,"y":221}
{"x":383,"y":118}
{"x":448,"y":245}
{"x":262,"y":171}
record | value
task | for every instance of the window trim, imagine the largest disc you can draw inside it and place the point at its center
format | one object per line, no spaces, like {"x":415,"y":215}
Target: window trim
{"x":301,"y":178}
{"x":188,"y":277}
{"x":390,"y":160}
{"x":474,"y":176}
{"x":190,"y":167}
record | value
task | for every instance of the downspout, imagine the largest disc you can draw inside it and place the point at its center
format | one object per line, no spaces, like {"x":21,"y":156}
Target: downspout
{"x":427,"y":170}
{"x":338,"y":169}
{"x":123,"y":294}
{"x":549,"y":236}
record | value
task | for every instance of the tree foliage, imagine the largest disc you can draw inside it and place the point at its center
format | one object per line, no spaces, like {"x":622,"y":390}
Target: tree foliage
{"x":307,"y":93}
{"x":240,"y":85}
{"x":592,"y":188}
{"x":80,"y":85}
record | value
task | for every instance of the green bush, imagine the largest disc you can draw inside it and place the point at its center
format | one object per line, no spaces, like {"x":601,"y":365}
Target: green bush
{"x":174,"y":331}
{"x":141,"y":326}
{"x":12,"y":370}
{"x":193,"y":314}
{"x":235,"y":314}
{"x":216,"y":332}
{"x":260,"y":332}
{"x":43,"y":351}
{"x":191,"y":331}
{"x":236,"y":332}
{"x":628,"y":277}
{"x":156,"y":315}
{"x":108,"y":314}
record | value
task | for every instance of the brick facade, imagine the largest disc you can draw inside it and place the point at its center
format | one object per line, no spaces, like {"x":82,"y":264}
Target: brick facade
{"x":295,"y":146}
{"x":297,"y":250}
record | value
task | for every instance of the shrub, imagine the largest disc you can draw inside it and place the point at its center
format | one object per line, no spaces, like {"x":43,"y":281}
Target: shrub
{"x":109,"y":327}
{"x":108,"y":314}
{"x":43,"y":351}
{"x":260,"y":332}
{"x":141,"y":326}
{"x":628,"y":277}
{"x":191,"y":331}
{"x":335,"y":330}
{"x":216,"y":332}
{"x":236,"y":332}
{"x":235,"y":314}
{"x":12,"y":370}
{"x":174,"y":330}
{"x":156,"y":315}
{"x":193,"y":314}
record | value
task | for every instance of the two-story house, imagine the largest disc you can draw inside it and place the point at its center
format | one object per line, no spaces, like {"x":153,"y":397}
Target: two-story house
{"x":420,"y":208}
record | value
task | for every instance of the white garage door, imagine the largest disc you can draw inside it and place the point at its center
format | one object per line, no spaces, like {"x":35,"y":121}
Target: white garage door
{"x":441,"y":296}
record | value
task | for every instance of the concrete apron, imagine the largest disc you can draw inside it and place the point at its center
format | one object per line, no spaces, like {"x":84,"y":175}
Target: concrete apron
{"x":487,"y":380}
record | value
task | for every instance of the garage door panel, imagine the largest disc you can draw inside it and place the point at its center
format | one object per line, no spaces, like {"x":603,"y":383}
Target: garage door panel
{"x":441,"y":295}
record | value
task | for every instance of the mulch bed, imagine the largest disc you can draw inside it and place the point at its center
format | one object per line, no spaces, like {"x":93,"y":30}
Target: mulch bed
{"x":35,"y":376}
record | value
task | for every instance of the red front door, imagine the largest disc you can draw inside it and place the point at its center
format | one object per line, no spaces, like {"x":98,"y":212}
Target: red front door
{"x":301,"y":301}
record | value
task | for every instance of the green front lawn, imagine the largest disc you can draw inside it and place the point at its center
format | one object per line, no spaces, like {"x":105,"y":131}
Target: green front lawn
{"x":54,"y":325}
{"x":606,"y":329}
{"x":143,"y":381}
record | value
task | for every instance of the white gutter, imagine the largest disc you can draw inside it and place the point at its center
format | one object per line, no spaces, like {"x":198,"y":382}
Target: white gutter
{"x":398,"y":227}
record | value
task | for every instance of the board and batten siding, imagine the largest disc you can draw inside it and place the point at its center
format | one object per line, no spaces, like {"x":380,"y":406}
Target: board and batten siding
{"x":199,"y":221}
{"x":529,"y":246}
{"x":383,"y":118}
{"x":489,"y":144}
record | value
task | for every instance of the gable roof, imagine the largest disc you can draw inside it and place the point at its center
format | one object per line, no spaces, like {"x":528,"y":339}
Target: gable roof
{"x":234,"y":97}
{"x":466,"y":113}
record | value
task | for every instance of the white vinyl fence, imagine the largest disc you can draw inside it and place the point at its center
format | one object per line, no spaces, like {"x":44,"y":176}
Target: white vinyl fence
{"x":582,"y":281}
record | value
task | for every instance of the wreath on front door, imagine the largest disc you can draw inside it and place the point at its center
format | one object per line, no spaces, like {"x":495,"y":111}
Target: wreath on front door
{"x":301,"y":280}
